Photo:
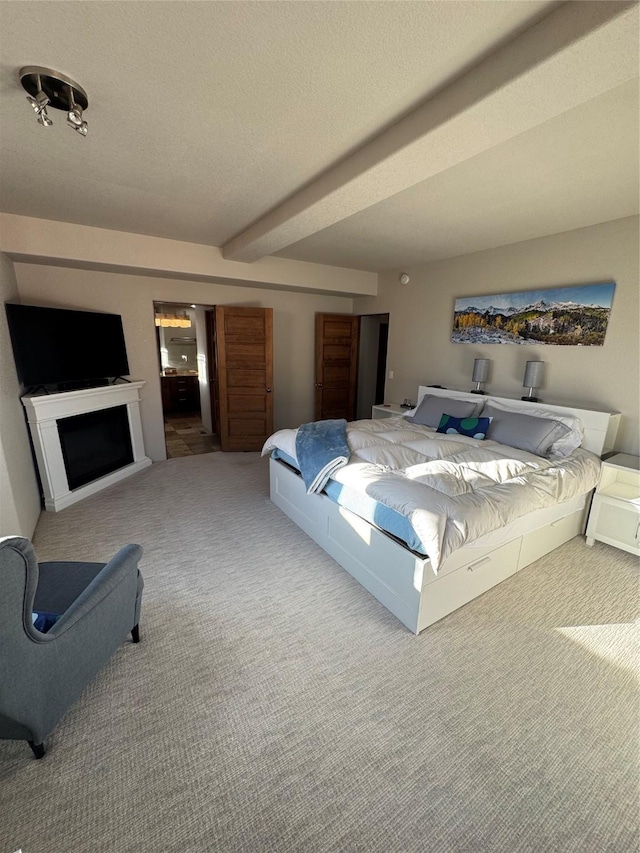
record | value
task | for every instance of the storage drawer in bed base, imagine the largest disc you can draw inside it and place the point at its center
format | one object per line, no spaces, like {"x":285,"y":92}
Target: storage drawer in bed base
{"x":403,"y":582}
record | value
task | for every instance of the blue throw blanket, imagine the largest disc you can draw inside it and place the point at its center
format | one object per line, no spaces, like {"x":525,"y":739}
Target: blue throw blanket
{"x":321,"y":448}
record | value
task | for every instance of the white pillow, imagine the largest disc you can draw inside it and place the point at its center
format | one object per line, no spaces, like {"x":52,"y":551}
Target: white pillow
{"x":563,"y":446}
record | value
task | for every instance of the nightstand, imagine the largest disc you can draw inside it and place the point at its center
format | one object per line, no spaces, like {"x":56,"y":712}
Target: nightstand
{"x":615,"y":512}
{"x":387,"y":410}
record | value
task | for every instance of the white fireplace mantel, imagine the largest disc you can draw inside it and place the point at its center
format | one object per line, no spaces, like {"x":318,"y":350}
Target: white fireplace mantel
{"x":43,"y":412}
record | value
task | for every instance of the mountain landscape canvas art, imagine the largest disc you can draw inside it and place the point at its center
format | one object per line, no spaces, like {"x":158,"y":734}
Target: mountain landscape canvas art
{"x":563,"y":316}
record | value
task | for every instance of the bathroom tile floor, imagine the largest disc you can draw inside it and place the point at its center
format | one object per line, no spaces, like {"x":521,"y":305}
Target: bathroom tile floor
{"x":186,"y":436}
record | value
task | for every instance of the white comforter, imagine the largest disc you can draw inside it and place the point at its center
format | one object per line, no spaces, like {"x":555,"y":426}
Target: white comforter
{"x":453,"y":489}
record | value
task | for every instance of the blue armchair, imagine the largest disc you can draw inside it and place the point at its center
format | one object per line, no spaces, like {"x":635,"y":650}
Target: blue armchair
{"x":83,"y":612}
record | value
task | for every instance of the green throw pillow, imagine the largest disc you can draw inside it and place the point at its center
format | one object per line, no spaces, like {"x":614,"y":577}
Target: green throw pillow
{"x":473,"y":427}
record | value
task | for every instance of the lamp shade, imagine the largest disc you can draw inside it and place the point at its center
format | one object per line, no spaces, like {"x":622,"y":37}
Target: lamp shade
{"x":533,"y":374}
{"x":480,"y":370}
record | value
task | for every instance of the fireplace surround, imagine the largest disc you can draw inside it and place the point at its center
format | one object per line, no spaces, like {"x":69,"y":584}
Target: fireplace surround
{"x":85,"y":440}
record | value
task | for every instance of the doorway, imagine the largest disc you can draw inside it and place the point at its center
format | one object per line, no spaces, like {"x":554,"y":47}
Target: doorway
{"x":372,"y":362}
{"x":351,"y":363}
{"x":181,"y":346}
{"x":216,"y":375}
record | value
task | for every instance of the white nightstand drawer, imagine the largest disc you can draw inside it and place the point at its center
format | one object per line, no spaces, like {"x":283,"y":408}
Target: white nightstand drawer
{"x":615,"y":511}
{"x":615,"y":524}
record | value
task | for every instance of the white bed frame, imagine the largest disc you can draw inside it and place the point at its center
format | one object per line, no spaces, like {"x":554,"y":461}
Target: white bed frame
{"x":401,"y":580}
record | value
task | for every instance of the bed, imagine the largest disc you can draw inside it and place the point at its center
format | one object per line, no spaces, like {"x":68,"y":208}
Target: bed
{"x":424,"y":578}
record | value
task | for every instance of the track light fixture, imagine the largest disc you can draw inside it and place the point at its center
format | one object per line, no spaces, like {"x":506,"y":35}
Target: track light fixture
{"x":47,"y":88}
{"x":177,"y":321}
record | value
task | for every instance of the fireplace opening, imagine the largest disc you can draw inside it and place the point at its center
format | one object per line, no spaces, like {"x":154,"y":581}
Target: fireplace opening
{"x":94,"y":444}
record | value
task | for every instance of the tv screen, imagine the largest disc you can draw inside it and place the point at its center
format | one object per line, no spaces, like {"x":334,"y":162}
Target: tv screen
{"x":57,"y":346}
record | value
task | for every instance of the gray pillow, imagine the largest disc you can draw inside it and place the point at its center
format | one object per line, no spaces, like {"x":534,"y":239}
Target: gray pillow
{"x":432,"y":408}
{"x":527,"y":432}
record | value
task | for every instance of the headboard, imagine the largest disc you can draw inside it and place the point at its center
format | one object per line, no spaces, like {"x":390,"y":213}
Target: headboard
{"x":600,"y":428}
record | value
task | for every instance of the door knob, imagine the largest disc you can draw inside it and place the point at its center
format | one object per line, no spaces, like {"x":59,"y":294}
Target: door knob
{"x":268,"y":390}
{"x":318,"y":384}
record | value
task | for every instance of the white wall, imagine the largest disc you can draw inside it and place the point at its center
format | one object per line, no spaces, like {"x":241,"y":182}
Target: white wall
{"x":133,"y":297}
{"x":19,"y":492}
{"x":421,"y":314}
{"x":203,"y":369}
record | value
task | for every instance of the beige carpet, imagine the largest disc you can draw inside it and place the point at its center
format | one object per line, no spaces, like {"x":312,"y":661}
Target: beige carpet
{"x":274,"y":705}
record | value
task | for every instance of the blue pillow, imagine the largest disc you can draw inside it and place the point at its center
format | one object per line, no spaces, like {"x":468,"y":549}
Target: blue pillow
{"x":473,"y":427}
{"x":42,"y":620}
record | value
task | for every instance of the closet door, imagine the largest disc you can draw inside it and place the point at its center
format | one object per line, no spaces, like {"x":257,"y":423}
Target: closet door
{"x":336,"y":365}
{"x":244,"y":369}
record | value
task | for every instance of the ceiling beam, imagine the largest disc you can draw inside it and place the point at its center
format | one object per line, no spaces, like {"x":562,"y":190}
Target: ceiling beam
{"x":44,"y":241}
{"x":577,"y":52}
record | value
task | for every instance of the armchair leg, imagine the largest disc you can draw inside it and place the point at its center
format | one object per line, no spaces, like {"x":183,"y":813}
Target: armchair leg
{"x":135,"y":633}
{"x":38,"y":749}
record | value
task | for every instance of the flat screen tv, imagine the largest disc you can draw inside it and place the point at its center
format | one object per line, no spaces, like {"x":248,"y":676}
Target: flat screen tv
{"x":65,"y":348}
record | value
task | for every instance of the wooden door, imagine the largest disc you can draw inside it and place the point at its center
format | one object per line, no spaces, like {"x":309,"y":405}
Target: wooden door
{"x":244,"y":370}
{"x":336,"y":365}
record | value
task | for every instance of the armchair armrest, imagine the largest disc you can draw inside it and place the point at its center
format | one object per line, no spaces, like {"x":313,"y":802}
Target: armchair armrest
{"x":121,"y":568}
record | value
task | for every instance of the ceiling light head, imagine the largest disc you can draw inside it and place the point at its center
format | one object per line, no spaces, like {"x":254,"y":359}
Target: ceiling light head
{"x":43,"y":118}
{"x":74,"y":116}
{"x":39,"y":101}
{"x":46,"y":87}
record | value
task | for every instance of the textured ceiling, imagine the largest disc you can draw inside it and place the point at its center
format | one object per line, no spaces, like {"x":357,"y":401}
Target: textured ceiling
{"x":575,"y":170}
{"x":205,"y":116}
